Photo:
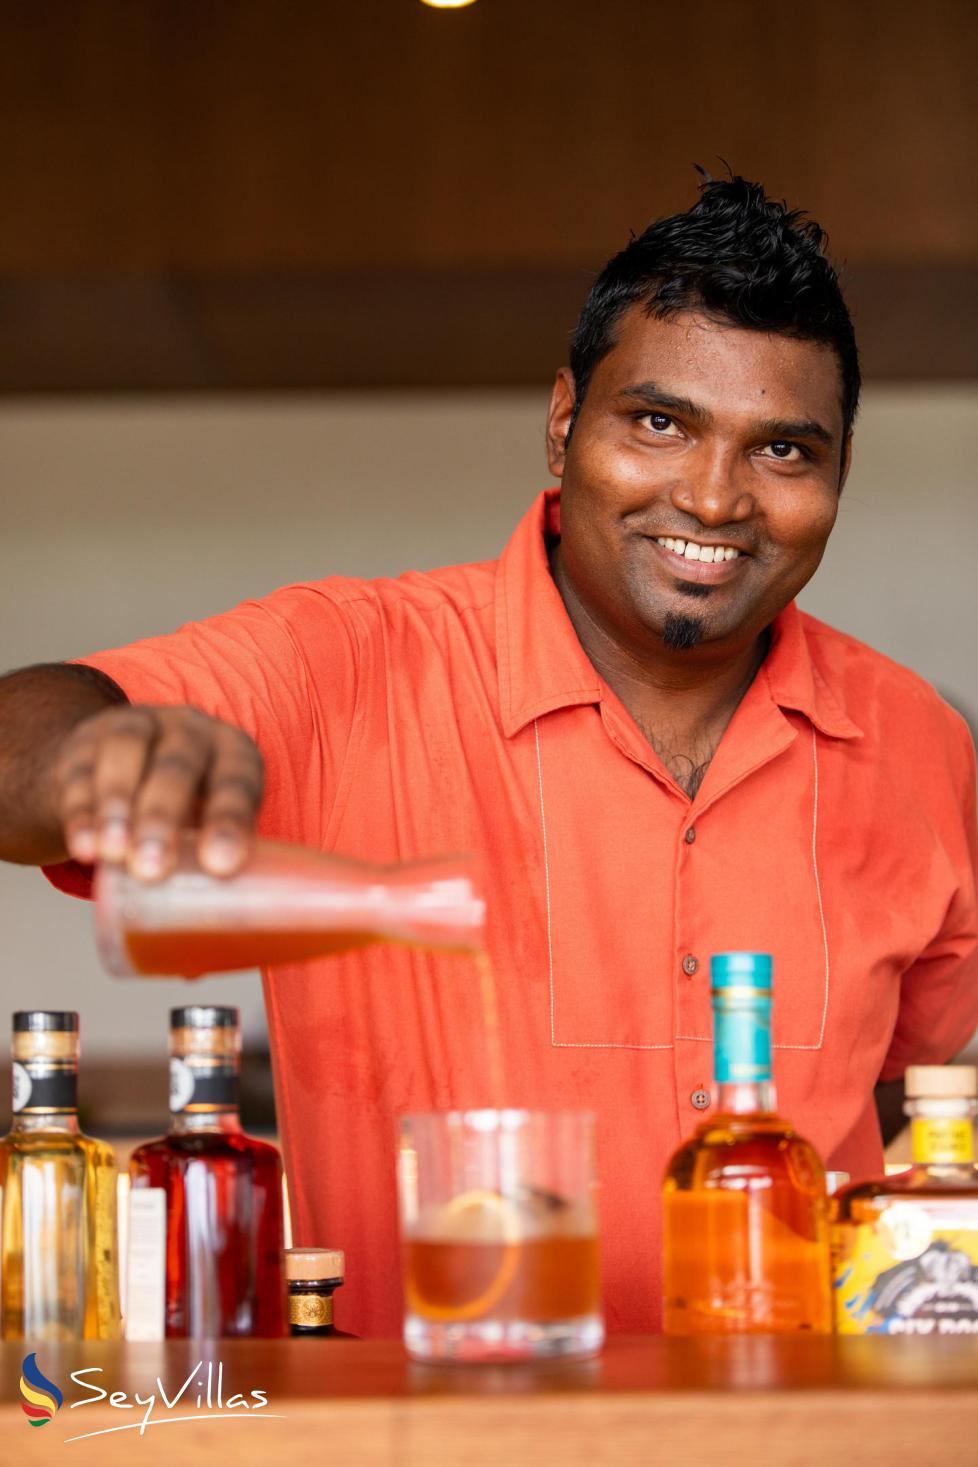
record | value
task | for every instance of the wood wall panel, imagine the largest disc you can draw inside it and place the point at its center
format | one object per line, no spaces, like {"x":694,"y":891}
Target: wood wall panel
{"x":147,"y":143}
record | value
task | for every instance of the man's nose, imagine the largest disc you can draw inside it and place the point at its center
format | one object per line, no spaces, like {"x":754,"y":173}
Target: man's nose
{"x":712,"y":488}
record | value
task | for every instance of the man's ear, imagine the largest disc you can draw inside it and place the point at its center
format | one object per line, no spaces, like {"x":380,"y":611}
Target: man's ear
{"x":846,"y":462}
{"x":562,"y":401}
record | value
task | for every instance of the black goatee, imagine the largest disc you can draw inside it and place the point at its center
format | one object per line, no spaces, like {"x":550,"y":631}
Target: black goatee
{"x":682,"y":633}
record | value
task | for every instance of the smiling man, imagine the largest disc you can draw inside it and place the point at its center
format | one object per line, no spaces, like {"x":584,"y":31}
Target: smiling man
{"x":656,"y":754}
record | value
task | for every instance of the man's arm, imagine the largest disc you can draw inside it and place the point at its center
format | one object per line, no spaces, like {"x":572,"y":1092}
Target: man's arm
{"x":85,"y":774}
{"x":39,"y":707}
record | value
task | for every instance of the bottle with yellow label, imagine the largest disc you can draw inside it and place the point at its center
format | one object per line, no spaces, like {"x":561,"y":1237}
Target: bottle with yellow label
{"x":905,"y":1248}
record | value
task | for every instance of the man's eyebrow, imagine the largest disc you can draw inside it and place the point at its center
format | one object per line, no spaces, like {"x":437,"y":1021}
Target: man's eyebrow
{"x":652,"y":395}
{"x":775,"y":428}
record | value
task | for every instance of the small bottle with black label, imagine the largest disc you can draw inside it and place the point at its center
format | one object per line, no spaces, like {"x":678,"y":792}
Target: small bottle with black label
{"x":58,"y":1239}
{"x":905,"y":1247}
{"x":219,"y":1191}
{"x":313,"y":1275}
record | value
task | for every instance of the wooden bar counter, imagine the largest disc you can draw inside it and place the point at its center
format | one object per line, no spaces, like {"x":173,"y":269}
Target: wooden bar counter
{"x":758,"y":1400}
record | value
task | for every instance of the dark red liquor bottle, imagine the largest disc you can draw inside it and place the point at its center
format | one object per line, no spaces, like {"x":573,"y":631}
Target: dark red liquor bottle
{"x":223,"y":1189}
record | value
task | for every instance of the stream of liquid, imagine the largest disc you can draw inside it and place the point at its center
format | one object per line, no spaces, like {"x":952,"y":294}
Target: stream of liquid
{"x":489,"y":1001}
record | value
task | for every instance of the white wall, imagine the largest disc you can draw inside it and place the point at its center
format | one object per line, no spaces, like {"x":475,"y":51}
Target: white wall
{"x":120,"y":519}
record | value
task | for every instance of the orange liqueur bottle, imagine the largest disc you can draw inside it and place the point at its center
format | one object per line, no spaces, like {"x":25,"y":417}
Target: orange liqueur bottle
{"x":745,"y":1213}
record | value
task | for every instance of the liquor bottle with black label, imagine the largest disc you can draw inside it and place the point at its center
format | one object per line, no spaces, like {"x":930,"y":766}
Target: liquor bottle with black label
{"x":58,"y":1238}
{"x":905,"y":1247}
{"x":222,"y":1190}
{"x":745,"y":1215}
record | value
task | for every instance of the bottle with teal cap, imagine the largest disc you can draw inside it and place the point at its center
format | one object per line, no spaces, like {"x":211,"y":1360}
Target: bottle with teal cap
{"x":745,"y":1215}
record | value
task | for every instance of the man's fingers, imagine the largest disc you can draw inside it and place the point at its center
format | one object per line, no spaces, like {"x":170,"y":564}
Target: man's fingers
{"x":120,"y":759}
{"x":129,"y":779}
{"x":76,"y":802}
{"x":167,"y":797}
{"x":98,"y":769}
{"x":232,"y":796}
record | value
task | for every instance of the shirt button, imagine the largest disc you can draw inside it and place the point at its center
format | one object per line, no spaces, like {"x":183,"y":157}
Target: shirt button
{"x":700,"y":1098}
{"x":690,"y":835}
{"x":690,"y":965}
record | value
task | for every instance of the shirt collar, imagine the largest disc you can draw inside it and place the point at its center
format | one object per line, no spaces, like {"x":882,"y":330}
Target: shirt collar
{"x":542,"y":665}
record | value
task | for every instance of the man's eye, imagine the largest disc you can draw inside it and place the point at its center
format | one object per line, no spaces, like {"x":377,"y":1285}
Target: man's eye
{"x":661,"y":424}
{"x":787,"y":452}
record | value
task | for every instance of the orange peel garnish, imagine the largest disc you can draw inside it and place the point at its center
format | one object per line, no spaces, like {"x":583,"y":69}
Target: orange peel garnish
{"x":508,"y":1264}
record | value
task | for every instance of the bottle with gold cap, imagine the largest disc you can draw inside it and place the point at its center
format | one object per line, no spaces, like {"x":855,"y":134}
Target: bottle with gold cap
{"x":905,"y":1247}
{"x":313,"y":1275}
{"x":58,"y":1257}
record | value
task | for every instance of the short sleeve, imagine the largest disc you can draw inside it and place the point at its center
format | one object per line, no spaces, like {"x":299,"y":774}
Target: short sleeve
{"x":284,"y":669}
{"x":938,"y":1012}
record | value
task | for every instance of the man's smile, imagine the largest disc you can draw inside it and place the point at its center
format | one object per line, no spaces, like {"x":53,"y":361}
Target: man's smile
{"x":694,"y":560}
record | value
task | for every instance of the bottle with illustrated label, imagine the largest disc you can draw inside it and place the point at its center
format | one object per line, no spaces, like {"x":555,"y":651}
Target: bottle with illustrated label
{"x":745,"y":1225}
{"x":58,"y":1237}
{"x":905,"y":1247}
{"x":219,"y":1191}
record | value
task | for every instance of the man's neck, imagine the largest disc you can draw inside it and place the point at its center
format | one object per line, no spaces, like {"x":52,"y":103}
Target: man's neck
{"x":681,"y":700}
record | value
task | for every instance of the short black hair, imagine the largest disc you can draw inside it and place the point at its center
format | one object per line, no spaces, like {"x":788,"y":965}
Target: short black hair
{"x":736,"y":255}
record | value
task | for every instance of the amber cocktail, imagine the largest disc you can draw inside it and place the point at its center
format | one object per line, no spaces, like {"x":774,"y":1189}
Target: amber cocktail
{"x":499,"y":1236}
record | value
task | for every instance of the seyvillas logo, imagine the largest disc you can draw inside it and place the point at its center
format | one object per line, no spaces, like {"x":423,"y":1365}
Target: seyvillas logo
{"x":210,"y":1401}
{"x":41,"y":1399}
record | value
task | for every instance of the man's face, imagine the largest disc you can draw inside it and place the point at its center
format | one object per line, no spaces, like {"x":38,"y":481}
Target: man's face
{"x":717,"y":439}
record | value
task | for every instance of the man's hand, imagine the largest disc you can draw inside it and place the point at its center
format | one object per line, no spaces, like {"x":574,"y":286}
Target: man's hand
{"x":128,"y":778}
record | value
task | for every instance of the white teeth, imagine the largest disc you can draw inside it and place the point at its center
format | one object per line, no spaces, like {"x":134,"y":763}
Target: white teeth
{"x":689,"y":550}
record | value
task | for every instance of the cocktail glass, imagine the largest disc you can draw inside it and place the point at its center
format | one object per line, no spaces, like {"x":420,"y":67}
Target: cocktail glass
{"x":499,"y":1234}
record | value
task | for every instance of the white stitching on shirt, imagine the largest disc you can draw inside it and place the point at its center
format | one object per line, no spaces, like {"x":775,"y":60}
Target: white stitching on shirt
{"x":694,"y":1038}
{"x":821,"y":909}
{"x":565,"y":1043}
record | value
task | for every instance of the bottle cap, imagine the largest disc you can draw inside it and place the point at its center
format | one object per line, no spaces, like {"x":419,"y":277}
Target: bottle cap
{"x":942,"y":1081}
{"x":741,"y":970}
{"x":200,"y":1016}
{"x":315,"y":1263}
{"x":40,"y":1021}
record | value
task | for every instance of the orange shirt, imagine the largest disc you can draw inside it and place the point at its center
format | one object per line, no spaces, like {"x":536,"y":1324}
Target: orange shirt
{"x":456,"y":710}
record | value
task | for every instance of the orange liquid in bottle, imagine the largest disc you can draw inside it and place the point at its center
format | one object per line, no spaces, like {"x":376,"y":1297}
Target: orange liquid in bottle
{"x":193,"y":953}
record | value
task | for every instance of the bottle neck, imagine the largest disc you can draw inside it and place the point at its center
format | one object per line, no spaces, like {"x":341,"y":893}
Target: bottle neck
{"x":742,"y":1050}
{"x":184,"y":1123}
{"x":66,"y":1121}
{"x":204,"y":1091}
{"x":741,"y":1098}
{"x":44,"y":1087}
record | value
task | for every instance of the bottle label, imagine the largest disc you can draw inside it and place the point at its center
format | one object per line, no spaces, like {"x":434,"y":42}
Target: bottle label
{"x":311,"y":1311}
{"x":913,"y":1270}
{"x":45,"y":1087}
{"x":207,"y":1087}
{"x":146,"y":1264}
{"x":949,"y":1141}
{"x":741,"y":1041}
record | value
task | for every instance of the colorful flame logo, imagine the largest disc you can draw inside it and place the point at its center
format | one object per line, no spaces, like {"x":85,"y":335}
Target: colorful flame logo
{"x":42,"y":1399}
